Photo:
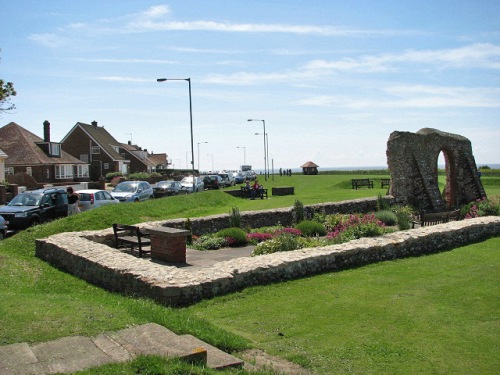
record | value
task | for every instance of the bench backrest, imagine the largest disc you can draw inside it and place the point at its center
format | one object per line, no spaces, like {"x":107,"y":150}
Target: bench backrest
{"x":131,"y":230}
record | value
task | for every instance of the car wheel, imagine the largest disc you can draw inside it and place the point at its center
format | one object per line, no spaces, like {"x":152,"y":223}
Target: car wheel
{"x":136,"y":200}
{"x":34,"y":222}
{"x":2,"y":235}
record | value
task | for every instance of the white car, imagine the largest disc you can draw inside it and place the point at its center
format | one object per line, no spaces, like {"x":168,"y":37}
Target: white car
{"x":187,"y":184}
{"x":93,"y":198}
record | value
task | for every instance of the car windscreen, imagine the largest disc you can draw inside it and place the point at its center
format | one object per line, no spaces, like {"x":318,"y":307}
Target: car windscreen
{"x":26,"y":200}
{"x":125,"y":188}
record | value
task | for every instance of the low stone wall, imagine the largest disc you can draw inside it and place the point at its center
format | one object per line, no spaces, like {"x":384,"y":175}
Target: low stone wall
{"x":283,"y":190}
{"x":283,"y":216}
{"x":85,"y":254}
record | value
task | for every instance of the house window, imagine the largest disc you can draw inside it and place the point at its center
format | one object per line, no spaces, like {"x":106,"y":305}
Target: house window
{"x":84,"y":158}
{"x":64,"y":171}
{"x":29,"y":171}
{"x":96,"y":150}
{"x":106,"y":166}
{"x":82,"y":171}
{"x":9,"y":170}
{"x":116,"y":148}
{"x":55,"y":149}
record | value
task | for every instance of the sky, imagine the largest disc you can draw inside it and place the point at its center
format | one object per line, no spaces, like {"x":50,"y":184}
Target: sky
{"x":330,"y":79}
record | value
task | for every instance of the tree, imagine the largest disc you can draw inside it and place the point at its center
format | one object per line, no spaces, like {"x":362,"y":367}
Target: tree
{"x":6,"y":92}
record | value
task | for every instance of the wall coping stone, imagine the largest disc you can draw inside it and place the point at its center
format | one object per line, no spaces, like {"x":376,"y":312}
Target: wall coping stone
{"x":86,"y":255}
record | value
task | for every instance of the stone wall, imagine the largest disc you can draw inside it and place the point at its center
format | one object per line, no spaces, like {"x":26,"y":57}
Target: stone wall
{"x":283,"y":216}
{"x":412,"y":160}
{"x":85,"y":255}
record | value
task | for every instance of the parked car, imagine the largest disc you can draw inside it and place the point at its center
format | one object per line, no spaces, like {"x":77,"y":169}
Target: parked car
{"x":3,"y":228}
{"x":34,"y":207}
{"x":94,"y":198}
{"x":133,"y":191}
{"x":227,"y":179}
{"x":187,"y":183}
{"x":239,"y":177}
{"x":213,"y":181}
{"x":168,"y":188}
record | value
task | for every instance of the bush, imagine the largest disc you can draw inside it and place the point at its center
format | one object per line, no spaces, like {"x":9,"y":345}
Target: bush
{"x":235,"y":218}
{"x":298,"y":211}
{"x":285,"y":242}
{"x":405,"y":216}
{"x":208,"y":242}
{"x":111,"y":175}
{"x":139,"y":176}
{"x":387,"y":217}
{"x":233,"y":236}
{"x":311,"y":228}
{"x":255,"y":238}
{"x":352,"y":227}
{"x":382,"y":203}
{"x":480,"y":207}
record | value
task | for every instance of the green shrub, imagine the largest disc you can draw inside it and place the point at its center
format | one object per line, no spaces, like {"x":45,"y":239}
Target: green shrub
{"x":387,"y":217}
{"x":284,"y":242}
{"x":311,"y":228}
{"x":480,"y":207}
{"x":352,"y":227}
{"x":235,"y":218}
{"x":298,"y":211}
{"x":112,"y":175}
{"x":208,"y":242}
{"x":233,"y":236}
{"x":382,"y":203}
{"x":405,"y":216}
{"x":139,"y":176}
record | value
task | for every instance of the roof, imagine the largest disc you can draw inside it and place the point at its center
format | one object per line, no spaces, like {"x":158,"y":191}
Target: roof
{"x":101,"y":136}
{"x":21,"y":147}
{"x":158,"y":159}
{"x":137,"y":153}
{"x":309,"y":164}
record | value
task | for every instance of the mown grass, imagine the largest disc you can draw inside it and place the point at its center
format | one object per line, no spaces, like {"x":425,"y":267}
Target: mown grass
{"x":40,"y":303}
{"x":436,"y":314}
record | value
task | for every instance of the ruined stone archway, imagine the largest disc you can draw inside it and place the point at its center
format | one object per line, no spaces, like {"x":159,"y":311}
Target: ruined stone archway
{"x":412,"y":160}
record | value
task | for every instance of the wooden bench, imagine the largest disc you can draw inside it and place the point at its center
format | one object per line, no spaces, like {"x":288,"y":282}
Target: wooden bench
{"x":385,"y":182}
{"x":245,"y":193}
{"x":428,"y":219}
{"x":361,"y":182}
{"x":131,"y":236}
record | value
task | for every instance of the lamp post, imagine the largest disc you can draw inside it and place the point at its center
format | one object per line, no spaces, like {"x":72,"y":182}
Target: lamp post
{"x":190,"y":118}
{"x":199,"y":143}
{"x":265,"y":146}
{"x":244,"y":154}
{"x":267,"y":152}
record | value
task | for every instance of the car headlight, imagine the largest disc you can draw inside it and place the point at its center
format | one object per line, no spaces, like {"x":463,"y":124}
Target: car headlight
{"x":21,"y":214}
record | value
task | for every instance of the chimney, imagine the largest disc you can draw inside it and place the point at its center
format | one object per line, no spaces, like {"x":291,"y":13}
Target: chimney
{"x":94,"y":124}
{"x":46,"y":131}
{"x":129,"y":143}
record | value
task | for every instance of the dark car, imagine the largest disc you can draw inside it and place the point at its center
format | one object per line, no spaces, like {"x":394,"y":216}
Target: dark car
{"x":168,"y":188}
{"x":34,"y":207}
{"x":212,"y":181}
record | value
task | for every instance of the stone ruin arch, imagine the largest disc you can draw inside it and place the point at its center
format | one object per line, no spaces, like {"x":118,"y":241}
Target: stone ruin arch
{"x":412,"y":160}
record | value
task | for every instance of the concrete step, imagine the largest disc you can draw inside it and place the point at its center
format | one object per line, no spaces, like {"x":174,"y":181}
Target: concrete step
{"x":70,"y":354}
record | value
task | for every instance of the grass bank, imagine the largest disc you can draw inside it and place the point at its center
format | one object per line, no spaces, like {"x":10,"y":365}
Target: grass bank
{"x":40,"y":303}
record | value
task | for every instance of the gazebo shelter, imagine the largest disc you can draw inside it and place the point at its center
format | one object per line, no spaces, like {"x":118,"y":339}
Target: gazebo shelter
{"x":309,"y":168}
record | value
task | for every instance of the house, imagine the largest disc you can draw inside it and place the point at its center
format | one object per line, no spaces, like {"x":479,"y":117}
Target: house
{"x":140,"y":160}
{"x":309,"y":168}
{"x":3,"y":156}
{"x":95,"y":146}
{"x":42,"y":159}
{"x":160,"y":160}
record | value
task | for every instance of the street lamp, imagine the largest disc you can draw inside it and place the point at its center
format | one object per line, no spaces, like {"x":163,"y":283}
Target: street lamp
{"x":267,"y":152}
{"x":190,"y":118}
{"x":244,"y":154}
{"x":199,"y":143}
{"x":265,"y":146}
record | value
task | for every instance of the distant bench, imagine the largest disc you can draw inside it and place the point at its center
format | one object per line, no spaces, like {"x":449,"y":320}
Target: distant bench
{"x":428,"y":219}
{"x":131,"y":236}
{"x":361,"y":182}
{"x":247,"y":193}
{"x":385,"y":182}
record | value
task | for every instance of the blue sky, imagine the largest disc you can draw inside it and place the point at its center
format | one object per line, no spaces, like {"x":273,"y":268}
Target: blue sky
{"x":332,"y":79}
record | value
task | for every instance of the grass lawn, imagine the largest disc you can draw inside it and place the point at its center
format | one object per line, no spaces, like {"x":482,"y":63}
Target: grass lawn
{"x":435,"y":314}
{"x":40,"y":303}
